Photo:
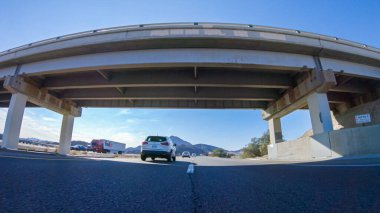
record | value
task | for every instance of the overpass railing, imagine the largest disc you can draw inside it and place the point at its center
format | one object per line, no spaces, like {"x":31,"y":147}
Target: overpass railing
{"x":191,"y":25}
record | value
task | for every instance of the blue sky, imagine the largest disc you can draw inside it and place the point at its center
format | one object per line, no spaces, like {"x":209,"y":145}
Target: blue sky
{"x":22,"y":22}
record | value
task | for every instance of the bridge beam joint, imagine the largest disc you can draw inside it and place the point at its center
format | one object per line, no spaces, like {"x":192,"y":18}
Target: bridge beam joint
{"x":296,"y":98}
{"x":40,"y":96}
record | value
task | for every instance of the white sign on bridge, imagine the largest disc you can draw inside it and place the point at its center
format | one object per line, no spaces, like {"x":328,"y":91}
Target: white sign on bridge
{"x":361,"y":119}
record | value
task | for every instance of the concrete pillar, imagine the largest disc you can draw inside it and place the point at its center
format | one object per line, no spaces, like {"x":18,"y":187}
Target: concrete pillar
{"x":320,"y":113}
{"x":66,"y":134}
{"x":275,"y":131}
{"x":14,"y":120}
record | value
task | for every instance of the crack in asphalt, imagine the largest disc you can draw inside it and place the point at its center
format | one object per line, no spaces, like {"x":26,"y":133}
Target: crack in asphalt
{"x":194,"y":195}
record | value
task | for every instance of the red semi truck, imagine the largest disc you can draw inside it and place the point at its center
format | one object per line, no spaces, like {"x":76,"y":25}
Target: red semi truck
{"x":106,"y":146}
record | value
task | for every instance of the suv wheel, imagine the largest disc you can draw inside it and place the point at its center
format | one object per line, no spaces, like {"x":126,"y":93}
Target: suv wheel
{"x":143,"y":158}
{"x":170,"y":157}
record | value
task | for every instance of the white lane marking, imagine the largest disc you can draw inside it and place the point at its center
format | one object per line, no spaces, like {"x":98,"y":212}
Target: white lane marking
{"x":339,"y":165}
{"x":190,"y":169}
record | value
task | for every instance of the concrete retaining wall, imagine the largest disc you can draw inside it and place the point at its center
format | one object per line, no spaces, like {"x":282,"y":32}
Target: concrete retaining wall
{"x":298,"y":149}
{"x":347,"y":119}
{"x":338,"y":143}
{"x":355,"y":141}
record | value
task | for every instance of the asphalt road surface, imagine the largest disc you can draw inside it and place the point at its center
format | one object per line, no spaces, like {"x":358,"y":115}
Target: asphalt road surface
{"x":49,"y":183}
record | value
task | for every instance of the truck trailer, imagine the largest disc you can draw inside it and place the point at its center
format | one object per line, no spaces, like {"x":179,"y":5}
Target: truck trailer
{"x":106,"y":146}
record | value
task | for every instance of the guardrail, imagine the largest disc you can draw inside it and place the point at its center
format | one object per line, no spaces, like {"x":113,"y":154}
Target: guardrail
{"x":191,"y":25}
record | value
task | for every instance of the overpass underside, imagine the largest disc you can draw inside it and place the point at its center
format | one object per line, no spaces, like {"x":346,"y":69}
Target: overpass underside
{"x":190,"y":87}
{"x":191,"y":66}
{"x":197,"y":87}
{"x":194,"y":87}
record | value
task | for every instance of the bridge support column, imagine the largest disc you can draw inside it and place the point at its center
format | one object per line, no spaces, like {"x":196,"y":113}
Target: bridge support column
{"x":320,"y":113}
{"x":66,"y":134}
{"x":275,"y":131}
{"x":14,"y":121}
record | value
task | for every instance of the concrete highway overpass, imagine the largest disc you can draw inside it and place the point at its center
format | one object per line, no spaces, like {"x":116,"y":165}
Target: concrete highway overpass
{"x":195,"y":65}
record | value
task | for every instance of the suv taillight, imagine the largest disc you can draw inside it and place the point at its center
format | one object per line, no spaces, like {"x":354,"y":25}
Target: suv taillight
{"x":144,"y":143}
{"x":165,"y":143}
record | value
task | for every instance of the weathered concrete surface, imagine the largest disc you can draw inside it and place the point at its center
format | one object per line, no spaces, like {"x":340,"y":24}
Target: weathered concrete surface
{"x":41,"y":97}
{"x":275,"y":130}
{"x":347,"y":119}
{"x":209,"y":35}
{"x":66,"y":134}
{"x":318,"y":83}
{"x":320,"y":113}
{"x":320,"y":145}
{"x":338,"y":143}
{"x":355,"y":141}
{"x":13,"y":122}
{"x":272,"y":152}
{"x":297,"y":149}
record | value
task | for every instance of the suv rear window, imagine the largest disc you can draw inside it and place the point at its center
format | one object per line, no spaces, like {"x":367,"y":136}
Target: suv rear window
{"x":156,"y":139}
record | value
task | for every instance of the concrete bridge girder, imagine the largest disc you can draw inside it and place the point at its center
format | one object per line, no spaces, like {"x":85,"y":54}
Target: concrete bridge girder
{"x":180,"y":77}
{"x":191,"y":58}
{"x":181,"y":35}
{"x":296,"y":98}
{"x":168,"y":58}
{"x":41,"y":97}
{"x":311,"y":91}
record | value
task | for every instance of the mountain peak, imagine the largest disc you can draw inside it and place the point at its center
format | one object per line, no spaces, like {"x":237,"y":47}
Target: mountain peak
{"x":179,"y":141}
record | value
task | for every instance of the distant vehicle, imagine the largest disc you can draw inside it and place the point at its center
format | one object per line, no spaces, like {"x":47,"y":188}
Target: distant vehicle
{"x":158,"y":147}
{"x":185,"y":154}
{"x":106,"y":146}
{"x":89,"y":148}
{"x":193,"y":155}
{"x":78,"y":148}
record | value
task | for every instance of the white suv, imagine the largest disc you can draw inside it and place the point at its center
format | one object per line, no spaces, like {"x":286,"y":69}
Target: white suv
{"x":158,"y":147}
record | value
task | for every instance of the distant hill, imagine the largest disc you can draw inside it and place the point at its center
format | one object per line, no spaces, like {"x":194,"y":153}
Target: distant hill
{"x":205,"y":147}
{"x":179,"y":141}
{"x":191,"y":149}
{"x":308,"y":133}
{"x":133,"y":150}
{"x":182,"y":146}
